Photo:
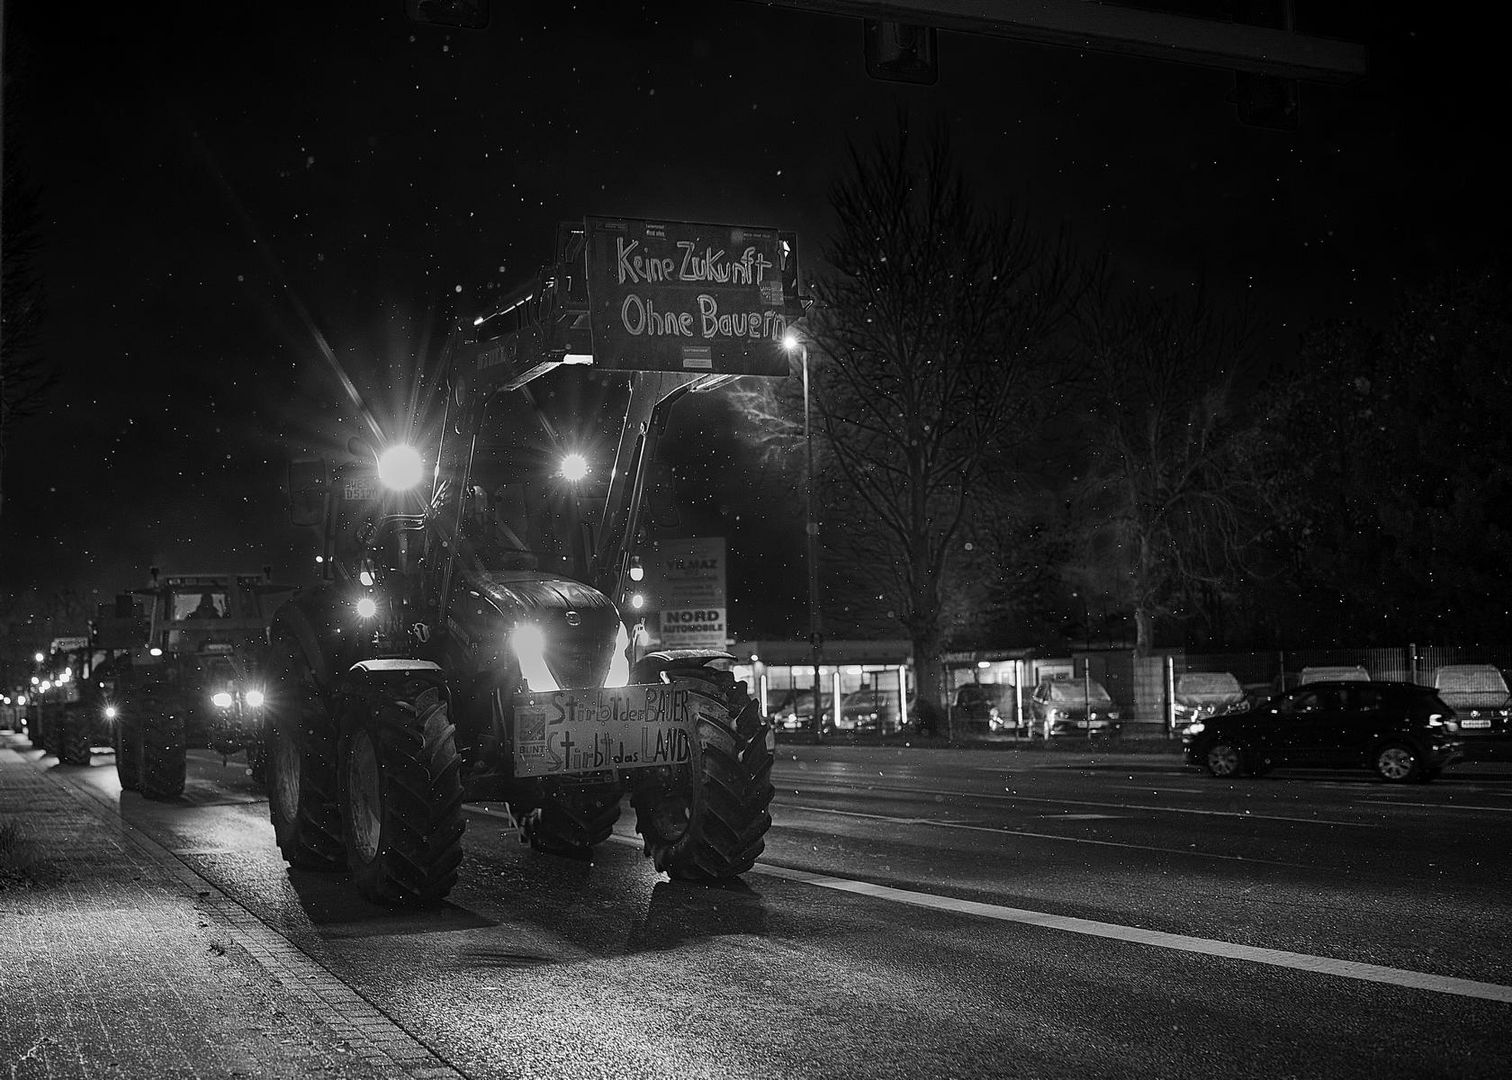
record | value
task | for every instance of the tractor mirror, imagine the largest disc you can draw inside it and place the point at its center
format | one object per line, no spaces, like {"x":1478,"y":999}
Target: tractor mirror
{"x":309,"y":485}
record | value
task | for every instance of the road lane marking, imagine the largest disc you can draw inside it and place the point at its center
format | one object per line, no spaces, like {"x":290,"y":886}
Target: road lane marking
{"x":1002,"y":831}
{"x":1451,"y":806}
{"x":1323,"y":965}
{"x":1089,"y":802}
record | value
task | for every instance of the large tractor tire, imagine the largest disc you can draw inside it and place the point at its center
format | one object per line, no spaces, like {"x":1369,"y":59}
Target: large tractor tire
{"x":707,"y":821}
{"x":575,"y":818}
{"x":301,"y":766}
{"x":74,"y":737}
{"x":401,"y":796}
{"x":164,"y":755}
{"x":128,"y":750}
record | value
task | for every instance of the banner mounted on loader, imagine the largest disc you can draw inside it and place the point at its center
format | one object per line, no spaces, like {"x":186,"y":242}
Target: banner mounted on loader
{"x":681,"y":296}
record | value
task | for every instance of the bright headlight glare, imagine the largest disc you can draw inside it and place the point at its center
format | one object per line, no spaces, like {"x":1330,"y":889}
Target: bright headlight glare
{"x":255,"y":698}
{"x":574,"y":467}
{"x":400,"y":467}
{"x":619,"y":667}
{"x":1196,"y":729}
{"x":221,"y":700}
{"x":367,"y":607}
{"x":111,"y":712}
{"x":529,"y":646}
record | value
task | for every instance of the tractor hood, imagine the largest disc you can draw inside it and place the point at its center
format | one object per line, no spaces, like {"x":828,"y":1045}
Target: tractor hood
{"x":578,"y":622}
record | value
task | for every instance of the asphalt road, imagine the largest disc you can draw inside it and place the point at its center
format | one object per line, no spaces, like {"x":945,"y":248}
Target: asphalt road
{"x":926,"y":913}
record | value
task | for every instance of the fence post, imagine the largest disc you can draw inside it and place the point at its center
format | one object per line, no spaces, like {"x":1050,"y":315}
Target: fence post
{"x":1170,"y":696}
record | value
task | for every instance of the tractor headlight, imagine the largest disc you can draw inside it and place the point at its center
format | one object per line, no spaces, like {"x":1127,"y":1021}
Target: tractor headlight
{"x":255,"y":698}
{"x":221,"y":700}
{"x":367,"y":607}
{"x":529,"y":646}
{"x":619,"y":666}
{"x":400,"y":467}
{"x":111,"y":712}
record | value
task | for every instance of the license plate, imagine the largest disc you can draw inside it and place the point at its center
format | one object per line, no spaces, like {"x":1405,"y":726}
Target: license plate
{"x":1475,"y":723}
{"x":562,"y":732}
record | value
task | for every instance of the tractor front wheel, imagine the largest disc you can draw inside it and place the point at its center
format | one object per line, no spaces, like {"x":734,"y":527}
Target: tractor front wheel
{"x":707,"y":820}
{"x":401,"y":796}
{"x":128,"y":750}
{"x":575,"y":818}
{"x":301,"y":767}
{"x":74,"y":743}
{"x":164,"y":755}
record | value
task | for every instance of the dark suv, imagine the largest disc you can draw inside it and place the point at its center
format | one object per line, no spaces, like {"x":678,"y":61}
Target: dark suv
{"x":1400,"y":730}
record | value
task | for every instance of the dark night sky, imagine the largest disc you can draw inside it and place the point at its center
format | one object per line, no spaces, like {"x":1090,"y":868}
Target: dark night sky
{"x":386,"y":167}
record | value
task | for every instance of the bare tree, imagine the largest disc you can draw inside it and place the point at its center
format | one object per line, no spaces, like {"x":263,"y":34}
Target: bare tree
{"x":1168,"y":502}
{"x":927,"y":339}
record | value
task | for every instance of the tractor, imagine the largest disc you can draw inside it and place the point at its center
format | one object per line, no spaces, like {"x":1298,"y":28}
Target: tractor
{"x":85,"y":669}
{"x":469,"y":638}
{"x":197,"y":681}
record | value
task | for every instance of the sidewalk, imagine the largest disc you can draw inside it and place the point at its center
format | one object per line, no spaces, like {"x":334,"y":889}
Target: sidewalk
{"x":116,"y":960}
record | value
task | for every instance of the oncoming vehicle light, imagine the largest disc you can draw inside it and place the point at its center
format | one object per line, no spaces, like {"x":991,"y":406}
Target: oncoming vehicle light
{"x":255,"y":698}
{"x":529,"y":646}
{"x":367,"y":607}
{"x":400,"y":467}
{"x":221,"y":700}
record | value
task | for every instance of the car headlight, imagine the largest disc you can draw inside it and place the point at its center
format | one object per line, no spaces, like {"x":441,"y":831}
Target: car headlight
{"x":221,"y":700}
{"x":255,"y":698}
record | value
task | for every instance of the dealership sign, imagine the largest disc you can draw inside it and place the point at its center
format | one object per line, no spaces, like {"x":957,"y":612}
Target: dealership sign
{"x":685,"y":587}
{"x":679,"y":296}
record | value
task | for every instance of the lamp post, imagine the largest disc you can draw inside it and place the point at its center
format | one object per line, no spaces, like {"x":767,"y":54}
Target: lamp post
{"x":811,"y":528}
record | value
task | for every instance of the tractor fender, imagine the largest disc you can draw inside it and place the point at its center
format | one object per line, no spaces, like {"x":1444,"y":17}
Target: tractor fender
{"x":367,"y":680}
{"x":649,"y":667}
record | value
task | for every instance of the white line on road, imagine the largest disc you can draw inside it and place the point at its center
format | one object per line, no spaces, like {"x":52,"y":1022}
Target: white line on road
{"x":1002,"y":831}
{"x":1088,"y":802}
{"x":1322,"y":965}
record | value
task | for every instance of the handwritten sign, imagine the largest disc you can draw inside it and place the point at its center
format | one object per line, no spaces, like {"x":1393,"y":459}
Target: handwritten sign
{"x":627,"y":727}
{"x":678,"y":296}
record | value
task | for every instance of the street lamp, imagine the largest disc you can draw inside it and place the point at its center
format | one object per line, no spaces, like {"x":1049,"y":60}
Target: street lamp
{"x":790,"y":342}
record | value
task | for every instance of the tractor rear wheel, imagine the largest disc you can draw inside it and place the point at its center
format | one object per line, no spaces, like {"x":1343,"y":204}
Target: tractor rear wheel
{"x":575,"y":818}
{"x":401,"y":796}
{"x":164,"y":755}
{"x":707,"y":820}
{"x":74,"y":731}
{"x":128,"y":750}
{"x":301,"y":766}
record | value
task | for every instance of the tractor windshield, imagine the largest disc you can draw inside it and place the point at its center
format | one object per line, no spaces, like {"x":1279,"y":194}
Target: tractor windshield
{"x":540,"y":471}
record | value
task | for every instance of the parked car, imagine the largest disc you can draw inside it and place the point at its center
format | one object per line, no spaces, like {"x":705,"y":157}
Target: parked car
{"x":1400,"y":730}
{"x":1478,"y":693}
{"x":1065,"y":704}
{"x":1350,"y":673}
{"x":984,"y":707}
{"x":795,"y":712}
{"x":1201,"y":694}
{"x":869,"y":709}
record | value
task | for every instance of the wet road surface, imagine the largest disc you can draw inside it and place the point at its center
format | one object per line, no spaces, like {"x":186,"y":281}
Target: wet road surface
{"x":939,"y":913}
